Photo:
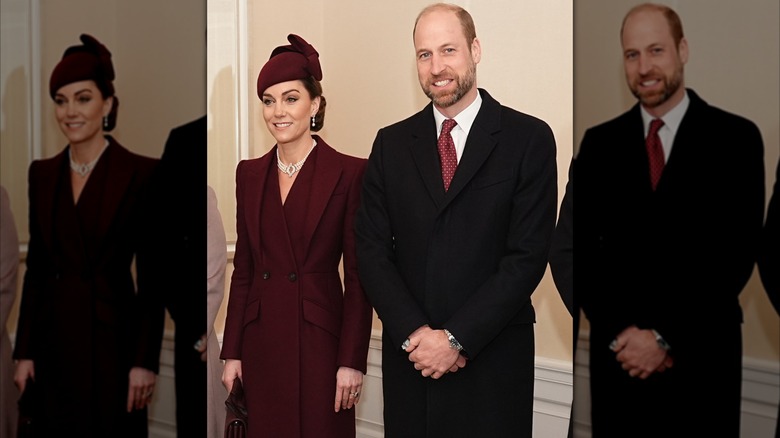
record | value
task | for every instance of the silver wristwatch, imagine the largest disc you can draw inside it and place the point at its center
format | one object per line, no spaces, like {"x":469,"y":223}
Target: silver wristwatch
{"x":454,"y":344}
{"x":661,"y":341}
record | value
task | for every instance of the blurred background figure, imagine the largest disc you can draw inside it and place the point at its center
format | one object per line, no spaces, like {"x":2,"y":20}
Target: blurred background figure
{"x":9,"y":267}
{"x":81,"y":329}
{"x":175,"y":234}
{"x":668,"y":221}
{"x":215,"y":280}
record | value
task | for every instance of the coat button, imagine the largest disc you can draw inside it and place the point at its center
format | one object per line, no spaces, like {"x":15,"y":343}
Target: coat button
{"x":291,"y":276}
{"x":266,"y":275}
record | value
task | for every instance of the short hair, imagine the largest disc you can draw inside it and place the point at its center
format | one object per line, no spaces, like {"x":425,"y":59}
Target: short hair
{"x":675,"y":24}
{"x":466,"y":22}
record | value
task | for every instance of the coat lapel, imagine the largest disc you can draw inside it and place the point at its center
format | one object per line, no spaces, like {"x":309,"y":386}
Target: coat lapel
{"x":122,"y":171}
{"x":685,"y":141}
{"x":49,"y":176}
{"x":326,"y":177}
{"x":254,"y":190}
{"x":479,"y":144}
{"x":426,"y":155}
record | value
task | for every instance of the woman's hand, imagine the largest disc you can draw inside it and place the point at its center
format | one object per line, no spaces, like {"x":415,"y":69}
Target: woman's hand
{"x":24,"y":368}
{"x":140,"y":388}
{"x":231,"y":371}
{"x":349,"y":381}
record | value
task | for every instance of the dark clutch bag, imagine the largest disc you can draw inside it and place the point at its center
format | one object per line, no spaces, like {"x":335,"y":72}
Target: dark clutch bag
{"x":236,"y":417}
{"x":28,"y":402}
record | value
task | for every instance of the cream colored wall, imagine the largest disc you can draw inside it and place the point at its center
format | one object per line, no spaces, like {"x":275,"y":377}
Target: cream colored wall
{"x":370,"y":81}
{"x":159,"y":55}
{"x":733,"y":64}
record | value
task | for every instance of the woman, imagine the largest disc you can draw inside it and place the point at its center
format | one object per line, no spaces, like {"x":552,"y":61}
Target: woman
{"x":80,"y":333}
{"x":295,"y":337}
{"x":216,"y":261}
{"x":9,"y":266}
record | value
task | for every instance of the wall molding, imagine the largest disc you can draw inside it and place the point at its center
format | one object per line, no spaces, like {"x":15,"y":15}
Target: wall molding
{"x":162,"y":411}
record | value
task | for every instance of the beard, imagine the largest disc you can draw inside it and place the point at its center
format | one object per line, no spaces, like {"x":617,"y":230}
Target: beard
{"x":652,"y":99}
{"x":447,"y":99}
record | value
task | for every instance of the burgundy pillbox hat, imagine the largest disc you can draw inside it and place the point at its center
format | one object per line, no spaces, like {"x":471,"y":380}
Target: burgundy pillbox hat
{"x":90,"y":61}
{"x":299,"y":60}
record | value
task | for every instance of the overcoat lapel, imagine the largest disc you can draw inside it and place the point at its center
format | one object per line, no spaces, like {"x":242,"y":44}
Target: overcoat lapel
{"x":635,"y":153}
{"x":426,"y":155}
{"x":48,"y":187}
{"x":48,"y":198}
{"x":254,"y":191}
{"x":479,"y":144}
{"x":324,"y":183}
{"x":121,"y":171}
{"x":684,"y":150}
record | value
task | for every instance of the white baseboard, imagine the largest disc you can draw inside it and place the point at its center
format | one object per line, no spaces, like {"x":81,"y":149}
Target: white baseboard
{"x":162,"y":411}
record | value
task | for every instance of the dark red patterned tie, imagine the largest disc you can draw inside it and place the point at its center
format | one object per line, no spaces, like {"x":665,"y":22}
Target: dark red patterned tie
{"x":655,"y":153}
{"x":449,"y":159}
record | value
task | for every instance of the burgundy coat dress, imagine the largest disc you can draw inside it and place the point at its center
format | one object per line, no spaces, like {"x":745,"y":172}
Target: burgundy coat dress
{"x":80,"y":320}
{"x":290,"y":320}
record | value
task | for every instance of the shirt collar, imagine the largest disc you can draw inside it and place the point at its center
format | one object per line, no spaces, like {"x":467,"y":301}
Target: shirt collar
{"x":464,"y":119}
{"x":672,"y":119}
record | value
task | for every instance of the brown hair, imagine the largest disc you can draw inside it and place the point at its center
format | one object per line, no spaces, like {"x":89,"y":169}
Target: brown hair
{"x":314,"y":88}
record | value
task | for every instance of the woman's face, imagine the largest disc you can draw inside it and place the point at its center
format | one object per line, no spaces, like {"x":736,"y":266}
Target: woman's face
{"x":287,"y":110}
{"x":80,"y":108}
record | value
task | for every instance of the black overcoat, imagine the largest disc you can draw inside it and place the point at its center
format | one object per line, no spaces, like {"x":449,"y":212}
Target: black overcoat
{"x":467,"y":260}
{"x":674,"y":260}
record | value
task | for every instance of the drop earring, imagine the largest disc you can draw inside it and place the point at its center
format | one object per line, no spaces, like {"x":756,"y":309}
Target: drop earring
{"x":312,"y":121}
{"x":105,"y":122}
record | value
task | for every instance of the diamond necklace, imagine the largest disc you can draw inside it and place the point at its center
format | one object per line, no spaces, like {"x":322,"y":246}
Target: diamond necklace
{"x":291,"y":168}
{"x":84,"y":168}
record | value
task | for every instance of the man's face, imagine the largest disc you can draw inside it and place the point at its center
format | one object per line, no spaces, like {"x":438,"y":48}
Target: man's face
{"x":446,"y":62}
{"x":653,"y":63}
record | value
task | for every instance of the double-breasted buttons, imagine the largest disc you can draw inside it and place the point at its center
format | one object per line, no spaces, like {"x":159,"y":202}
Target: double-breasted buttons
{"x":266,"y":275}
{"x":292,"y":276}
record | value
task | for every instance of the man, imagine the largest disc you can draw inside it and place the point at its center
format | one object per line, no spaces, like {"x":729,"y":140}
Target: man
{"x":216,"y":262}
{"x":177,"y":233}
{"x":666,"y":230}
{"x":449,"y":262}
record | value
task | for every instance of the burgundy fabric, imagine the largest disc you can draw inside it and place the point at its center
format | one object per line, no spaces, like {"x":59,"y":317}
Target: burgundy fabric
{"x":655,"y":153}
{"x":447,"y":154}
{"x":290,"y":320}
{"x":90,"y":61}
{"x":299,"y":60}
{"x":79,"y":280}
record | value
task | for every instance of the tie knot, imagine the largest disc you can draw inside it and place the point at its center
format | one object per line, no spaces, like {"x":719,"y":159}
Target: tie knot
{"x":655,"y":125}
{"x":447,"y":126}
